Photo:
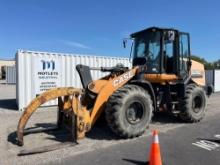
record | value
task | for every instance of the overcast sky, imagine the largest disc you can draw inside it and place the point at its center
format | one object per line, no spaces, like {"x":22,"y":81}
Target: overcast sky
{"x":98,"y":26}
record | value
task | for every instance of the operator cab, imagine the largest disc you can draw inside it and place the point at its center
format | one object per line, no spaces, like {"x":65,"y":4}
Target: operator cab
{"x":163,"y":51}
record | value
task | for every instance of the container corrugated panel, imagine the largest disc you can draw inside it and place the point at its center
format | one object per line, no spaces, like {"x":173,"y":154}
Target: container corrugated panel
{"x":217,"y":81}
{"x":38,"y":71}
{"x":209,"y":77}
{"x":10,"y":74}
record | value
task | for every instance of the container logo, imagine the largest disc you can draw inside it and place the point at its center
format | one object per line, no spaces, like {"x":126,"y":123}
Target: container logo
{"x":47,"y":68}
{"x":47,"y":73}
{"x":48,"y":64}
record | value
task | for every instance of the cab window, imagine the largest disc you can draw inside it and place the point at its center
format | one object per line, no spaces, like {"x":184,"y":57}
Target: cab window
{"x":184,"y":51}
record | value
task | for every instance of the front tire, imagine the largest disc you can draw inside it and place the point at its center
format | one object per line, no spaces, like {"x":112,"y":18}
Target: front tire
{"x":194,"y":104}
{"x":129,"y":111}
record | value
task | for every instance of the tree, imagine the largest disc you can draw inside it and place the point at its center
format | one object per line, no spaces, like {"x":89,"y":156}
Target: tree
{"x":208,"y":65}
{"x":217,"y":64}
{"x":199,"y":59}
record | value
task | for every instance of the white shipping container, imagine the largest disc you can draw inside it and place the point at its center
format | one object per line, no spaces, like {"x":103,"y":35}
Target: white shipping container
{"x":10,"y":74}
{"x":39,"y":71}
{"x":217,"y":81}
{"x":213,"y":78}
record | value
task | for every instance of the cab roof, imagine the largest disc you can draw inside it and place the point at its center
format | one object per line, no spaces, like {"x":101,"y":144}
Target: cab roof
{"x":150,"y":29}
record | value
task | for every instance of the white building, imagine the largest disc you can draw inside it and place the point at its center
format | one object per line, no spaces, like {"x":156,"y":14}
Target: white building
{"x":3,"y":64}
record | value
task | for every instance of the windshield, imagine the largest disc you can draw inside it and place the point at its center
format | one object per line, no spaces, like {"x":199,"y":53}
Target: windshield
{"x":147,"y":47}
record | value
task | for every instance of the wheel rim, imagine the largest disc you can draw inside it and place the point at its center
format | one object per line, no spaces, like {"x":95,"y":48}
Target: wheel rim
{"x":197,"y":104}
{"x":135,"y":112}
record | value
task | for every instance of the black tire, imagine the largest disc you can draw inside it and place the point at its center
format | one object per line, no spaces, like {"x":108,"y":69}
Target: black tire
{"x":193,"y":105}
{"x":129,"y":111}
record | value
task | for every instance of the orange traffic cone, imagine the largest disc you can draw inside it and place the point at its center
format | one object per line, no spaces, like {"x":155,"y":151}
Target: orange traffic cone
{"x":155,"y":156}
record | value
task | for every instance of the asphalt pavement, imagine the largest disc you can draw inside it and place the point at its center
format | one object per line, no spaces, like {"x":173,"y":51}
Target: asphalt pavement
{"x":190,"y":144}
{"x":180,"y":143}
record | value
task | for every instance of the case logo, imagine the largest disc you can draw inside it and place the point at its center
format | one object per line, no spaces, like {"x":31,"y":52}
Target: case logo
{"x":123,"y":78}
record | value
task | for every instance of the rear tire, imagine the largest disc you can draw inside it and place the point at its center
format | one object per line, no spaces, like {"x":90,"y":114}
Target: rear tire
{"x":193,"y":105}
{"x":129,"y":111}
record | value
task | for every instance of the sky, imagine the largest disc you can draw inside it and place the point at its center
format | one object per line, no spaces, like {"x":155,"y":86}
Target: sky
{"x":97,"y":27}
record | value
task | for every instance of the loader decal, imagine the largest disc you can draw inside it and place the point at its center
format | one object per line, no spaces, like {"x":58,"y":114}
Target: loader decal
{"x":123,"y":78}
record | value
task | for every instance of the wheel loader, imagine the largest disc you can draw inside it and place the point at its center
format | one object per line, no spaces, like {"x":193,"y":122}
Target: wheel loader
{"x":162,"y":78}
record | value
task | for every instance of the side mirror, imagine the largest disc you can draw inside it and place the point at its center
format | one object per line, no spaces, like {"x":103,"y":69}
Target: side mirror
{"x":124,"y":43}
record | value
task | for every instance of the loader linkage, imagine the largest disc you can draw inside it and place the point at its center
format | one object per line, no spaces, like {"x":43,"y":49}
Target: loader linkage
{"x":74,"y":106}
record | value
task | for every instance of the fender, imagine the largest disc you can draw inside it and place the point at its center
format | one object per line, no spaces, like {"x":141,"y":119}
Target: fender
{"x":146,"y":85}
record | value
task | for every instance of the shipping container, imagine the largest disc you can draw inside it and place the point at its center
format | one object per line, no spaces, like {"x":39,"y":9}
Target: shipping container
{"x":213,"y":78}
{"x":209,"y":77}
{"x":10,"y":74}
{"x":40,"y":71}
{"x":217,"y":81}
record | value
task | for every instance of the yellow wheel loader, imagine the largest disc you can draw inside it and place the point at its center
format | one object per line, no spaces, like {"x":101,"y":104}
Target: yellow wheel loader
{"x":163,"y":78}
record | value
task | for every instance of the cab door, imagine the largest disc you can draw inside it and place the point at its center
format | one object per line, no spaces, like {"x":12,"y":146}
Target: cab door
{"x":169,"y":54}
{"x":184,"y":54}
